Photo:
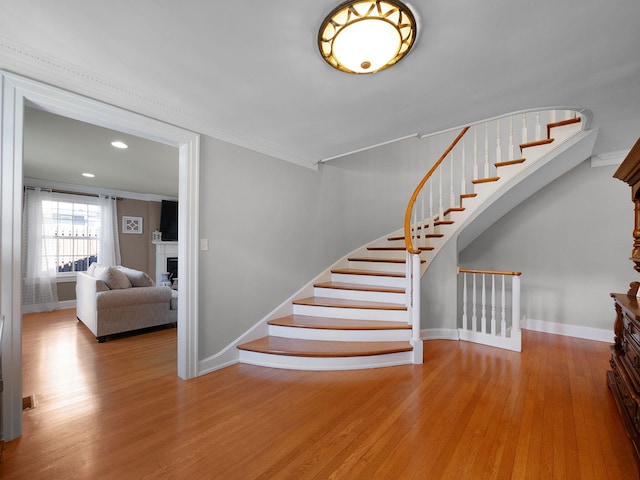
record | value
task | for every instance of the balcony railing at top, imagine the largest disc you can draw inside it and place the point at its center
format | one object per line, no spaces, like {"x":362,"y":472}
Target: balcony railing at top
{"x":472,"y":158}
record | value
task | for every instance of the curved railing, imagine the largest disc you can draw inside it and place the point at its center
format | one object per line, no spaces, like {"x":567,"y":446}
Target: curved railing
{"x":408,"y":234}
{"x":473,"y":158}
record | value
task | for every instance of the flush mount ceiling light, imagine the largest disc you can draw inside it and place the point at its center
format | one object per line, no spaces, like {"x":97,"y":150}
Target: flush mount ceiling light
{"x":366,"y":36}
{"x":88,"y":175}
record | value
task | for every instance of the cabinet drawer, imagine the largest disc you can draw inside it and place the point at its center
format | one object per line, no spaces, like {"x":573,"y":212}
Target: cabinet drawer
{"x":632,"y":328}
{"x":631,"y":360}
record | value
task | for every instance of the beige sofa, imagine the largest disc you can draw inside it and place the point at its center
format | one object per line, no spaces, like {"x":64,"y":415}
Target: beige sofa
{"x":112,"y":300}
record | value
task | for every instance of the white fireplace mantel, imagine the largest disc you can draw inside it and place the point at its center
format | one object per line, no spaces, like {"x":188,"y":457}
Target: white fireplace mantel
{"x":164,"y":250}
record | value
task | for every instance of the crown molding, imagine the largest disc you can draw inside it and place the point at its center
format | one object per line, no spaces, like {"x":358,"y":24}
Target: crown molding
{"x":39,"y":66}
{"x":609,"y":158}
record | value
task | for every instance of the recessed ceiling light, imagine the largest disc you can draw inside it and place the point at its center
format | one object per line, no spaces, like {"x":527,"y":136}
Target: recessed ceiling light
{"x":88,"y":175}
{"x":119,"y":144}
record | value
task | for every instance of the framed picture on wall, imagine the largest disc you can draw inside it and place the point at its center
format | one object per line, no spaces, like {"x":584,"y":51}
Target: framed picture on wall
{"x":132,"y":225}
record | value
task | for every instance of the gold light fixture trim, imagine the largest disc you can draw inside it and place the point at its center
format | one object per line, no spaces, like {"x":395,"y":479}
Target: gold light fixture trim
{"x":366,"y":36}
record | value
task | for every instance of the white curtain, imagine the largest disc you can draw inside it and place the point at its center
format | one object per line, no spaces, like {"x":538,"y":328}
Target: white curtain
{"x":108,"y":242}
{"x":39,"y":287}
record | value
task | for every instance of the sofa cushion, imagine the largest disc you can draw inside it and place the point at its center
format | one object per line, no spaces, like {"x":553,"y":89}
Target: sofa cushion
{"x":92,"y":268}
{"x":112,"y":277}
{"x":136,"y":277}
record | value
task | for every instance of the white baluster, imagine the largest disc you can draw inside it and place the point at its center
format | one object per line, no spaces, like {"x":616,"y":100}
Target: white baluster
{"x":452,"y":197}
{"x":430,"y":200}
{"x":464,"y":301}
{"x":475,"y":152}
{"x":414,"y":227}
{"x":503,"y":311}
{"x":483,"y":318}
{"x":441,"y":208}
{"x":569,"y":114}
{"x":538,"y":127}
{"x":486,"y":150}
{"x":552,"y":116}
{"x":524,"y":128}
{"x":463,"y":183}
{"x":511,"y":147}
{"x":493,"y":304}
{"x":498,"y":142}
{"x":474,"y":316}
{"x":423,"y":220}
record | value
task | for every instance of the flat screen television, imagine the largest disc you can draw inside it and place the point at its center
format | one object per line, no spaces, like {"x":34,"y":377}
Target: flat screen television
{"x":169,"y":221}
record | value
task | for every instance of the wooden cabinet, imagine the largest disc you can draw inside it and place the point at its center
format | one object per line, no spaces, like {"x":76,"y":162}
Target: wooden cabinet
{"x":624,"y":377}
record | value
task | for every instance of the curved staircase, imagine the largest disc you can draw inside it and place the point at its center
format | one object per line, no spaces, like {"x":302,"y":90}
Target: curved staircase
{"x":361,"y":313}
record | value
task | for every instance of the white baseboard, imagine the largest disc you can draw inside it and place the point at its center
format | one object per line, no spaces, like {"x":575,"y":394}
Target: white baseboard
{"x":44,"y":308}
{"x":578,"y":331}
{"x":66,"y":304}
{"x":439,"y":334}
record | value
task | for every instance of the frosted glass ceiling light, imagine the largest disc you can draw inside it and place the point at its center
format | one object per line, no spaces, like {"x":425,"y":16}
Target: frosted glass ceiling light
{"x":366,"y":36}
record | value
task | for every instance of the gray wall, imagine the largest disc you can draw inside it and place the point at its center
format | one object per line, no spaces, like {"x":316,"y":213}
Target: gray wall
{"x":571,"y":240}
{"x":273,"y":226}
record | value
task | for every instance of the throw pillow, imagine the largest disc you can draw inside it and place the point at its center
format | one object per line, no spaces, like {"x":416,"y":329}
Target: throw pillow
{"x":112,"y":277}
{"x":136,"y":277}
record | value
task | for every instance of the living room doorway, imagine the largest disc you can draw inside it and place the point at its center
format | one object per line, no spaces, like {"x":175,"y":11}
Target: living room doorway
{"x":20,"y":93}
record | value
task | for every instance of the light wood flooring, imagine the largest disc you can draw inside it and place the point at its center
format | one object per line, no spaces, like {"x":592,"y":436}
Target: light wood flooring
{"x":118,"y":411}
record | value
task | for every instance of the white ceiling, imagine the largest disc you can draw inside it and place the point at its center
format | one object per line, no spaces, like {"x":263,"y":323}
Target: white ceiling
{"x":249,"y":72}
{"x":59,"y":149}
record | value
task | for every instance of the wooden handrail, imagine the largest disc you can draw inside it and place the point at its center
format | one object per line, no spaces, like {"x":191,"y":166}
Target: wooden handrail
{"x":407,"y":216}
{"x":490,"y":272}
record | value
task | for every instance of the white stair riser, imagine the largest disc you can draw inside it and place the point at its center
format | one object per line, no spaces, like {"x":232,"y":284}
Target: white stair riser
{"x":378,"y":281}
{"x":397,"y":254}
{"x":378,"y":266}
{"x":315,"y":363}
{"x":560,"y":134}
{"x":360,"y":295}
{"x":351,"y":313}
{"x":340,"y":335}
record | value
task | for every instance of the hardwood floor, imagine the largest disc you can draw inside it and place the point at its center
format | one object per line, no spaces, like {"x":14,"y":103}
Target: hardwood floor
{"x":117,"y":410}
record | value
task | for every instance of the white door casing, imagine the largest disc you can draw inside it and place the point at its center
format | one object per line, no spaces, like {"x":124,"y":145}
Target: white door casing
{"x":18,"y":92}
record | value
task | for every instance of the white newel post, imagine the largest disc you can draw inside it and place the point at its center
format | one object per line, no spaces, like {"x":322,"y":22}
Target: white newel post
{"x":516,"y":334}
{"x":416,"y":341}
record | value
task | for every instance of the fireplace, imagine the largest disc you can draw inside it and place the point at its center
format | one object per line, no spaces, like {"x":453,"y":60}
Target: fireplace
{"x":165,"y":251}
{"x":172,"y":267}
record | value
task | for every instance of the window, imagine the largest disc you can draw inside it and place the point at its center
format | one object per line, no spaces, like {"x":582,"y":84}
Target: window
{"x":71,"y":230}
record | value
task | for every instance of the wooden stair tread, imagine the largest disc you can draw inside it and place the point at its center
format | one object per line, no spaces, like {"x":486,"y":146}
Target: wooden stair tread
{"x":453,"y":209}
{"x":468,"y":195}
{"x":544,"y":141}
{"x":360,"y":288}
{"x":371,"y":273}
{"x":485,"y":180}
{"x":509,"y":162}
{"x":344,"y":303}
{"x":428,"y":235}
{"x":396,"y":249}
{"x":307,"y":321}
{"x":322,"y":348}
{"x":379,"y":260}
